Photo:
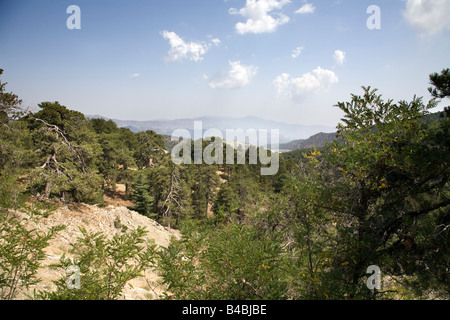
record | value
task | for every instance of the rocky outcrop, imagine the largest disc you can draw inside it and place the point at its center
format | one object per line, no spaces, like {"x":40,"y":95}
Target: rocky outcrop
{"x":110,"y":221}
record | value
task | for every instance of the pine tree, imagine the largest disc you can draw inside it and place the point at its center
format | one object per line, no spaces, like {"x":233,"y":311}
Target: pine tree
{"x":10,"y":104}
{"x":143,"y":201}
{"x":172,"y":195}
{"x":67,"y":152}
{"x":440,"y":84}
{"x":206,"y":182}
{"x":150,"y":146}
{"x":226,"y":205}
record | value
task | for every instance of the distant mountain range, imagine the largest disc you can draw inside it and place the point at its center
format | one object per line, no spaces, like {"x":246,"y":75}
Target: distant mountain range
{"x":292,"y":136}
{"x":316,"y":141}
{"x":288,"y":132}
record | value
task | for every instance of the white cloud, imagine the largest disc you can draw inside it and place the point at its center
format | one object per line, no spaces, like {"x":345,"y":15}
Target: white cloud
{"x":259,"y":19}
{"x":282,"y":82}
{"x":310,"y":82}
{"x":339,"y":57}
{"x":181,"y":50}
{"x":215,"y":41}
{"x":135,"y":75}
{"x":297,"y":51}
{"x":428,"y":16}
{"x":306,"y":8}
{"x":238,"y":76}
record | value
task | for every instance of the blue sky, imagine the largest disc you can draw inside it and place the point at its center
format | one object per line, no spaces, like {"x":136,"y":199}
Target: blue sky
{"x":284,"y":60}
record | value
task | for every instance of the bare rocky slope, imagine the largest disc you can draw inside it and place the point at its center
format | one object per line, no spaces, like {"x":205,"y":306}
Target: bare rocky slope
{"x":108,"y":220}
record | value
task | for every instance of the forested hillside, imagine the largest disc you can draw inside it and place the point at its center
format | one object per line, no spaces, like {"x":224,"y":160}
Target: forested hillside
{"x":318,"y":140}
{"x":377,"y":195}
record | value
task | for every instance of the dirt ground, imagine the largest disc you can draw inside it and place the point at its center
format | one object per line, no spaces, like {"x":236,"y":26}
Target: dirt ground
{"x":108,"y":220}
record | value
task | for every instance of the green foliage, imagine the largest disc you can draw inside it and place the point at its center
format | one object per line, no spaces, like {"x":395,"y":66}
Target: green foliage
{"x":150,"y":146}
{"x":226,"y":205}
{"x":68,"y":121}
{"x":379,"y":194}
{"x":392,"y":177}
{"x":102,"y":126}
{"x":117,"y":147}
{"x":143,"y":202}
{"x":67,"y":153}
{"x":168,"y":184}
{"x":105,"y":265}
{"x":21,"y":249}
{"x":14,"y":136}
{"x":233,"y":262}
{"x":440,"y":84}
{"x":10,"y":104}
{"x":204,"y":188}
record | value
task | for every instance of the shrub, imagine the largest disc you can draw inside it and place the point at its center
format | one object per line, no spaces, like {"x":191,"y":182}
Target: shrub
{"x":105,"y":265}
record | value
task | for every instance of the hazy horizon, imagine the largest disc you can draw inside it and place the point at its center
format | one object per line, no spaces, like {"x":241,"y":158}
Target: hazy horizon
{"x":206,"y":116}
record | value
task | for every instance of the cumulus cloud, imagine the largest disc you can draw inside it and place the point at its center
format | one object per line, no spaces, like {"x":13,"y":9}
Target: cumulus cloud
{"x":428,"y":16}
{"x":281,"y":83}
{"x":297,"y":51}
{"x":339,"y":57}
{"x":306,"y":8}
{"x":135,"y":75}
{"x":310,"y":82}
{"x":182,"y":50}
{"x":238,"y":76}
{"x":259,"y":17}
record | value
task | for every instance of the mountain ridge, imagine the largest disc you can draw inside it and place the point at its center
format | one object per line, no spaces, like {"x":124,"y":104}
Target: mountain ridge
{"x":318,"y":140}
{"x":288,"y":132}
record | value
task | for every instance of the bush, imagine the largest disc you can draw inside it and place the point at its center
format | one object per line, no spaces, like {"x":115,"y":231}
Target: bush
{"x":105,"y":265}
{"x":233,"y":263}
{"x":21,"y":250}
